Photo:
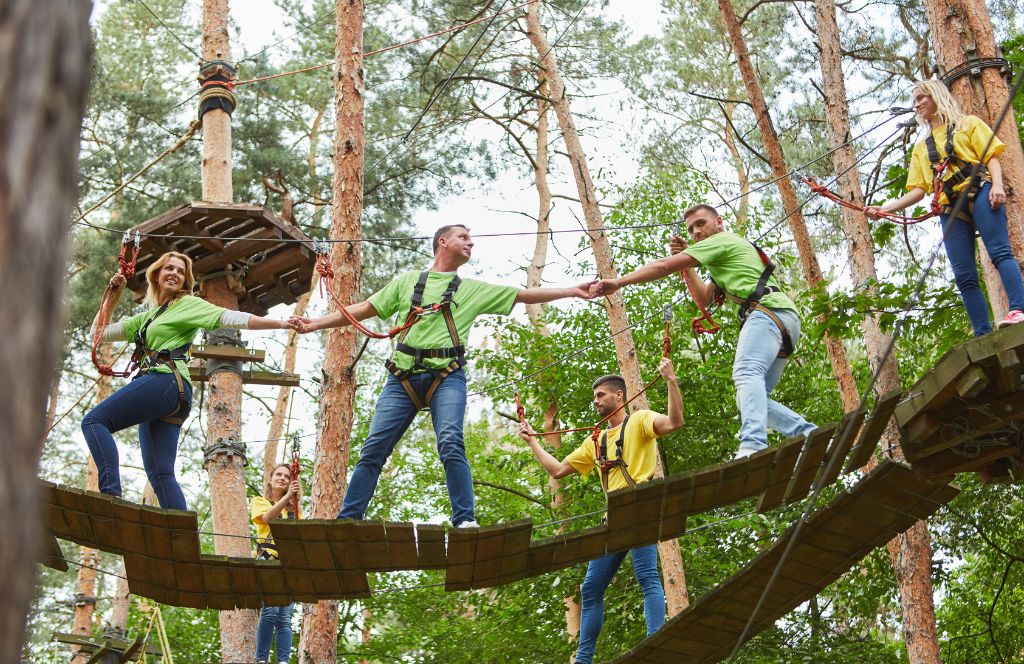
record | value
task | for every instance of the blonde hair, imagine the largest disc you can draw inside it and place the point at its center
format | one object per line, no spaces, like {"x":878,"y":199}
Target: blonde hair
{"x":152,"y":274}
{"x":267,"y":489}
{"x":947,"y":107}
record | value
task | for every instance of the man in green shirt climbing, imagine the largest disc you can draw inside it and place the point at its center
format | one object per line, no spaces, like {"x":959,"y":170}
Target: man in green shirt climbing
{"x":769,"y":324}
{"x":427,"y":367}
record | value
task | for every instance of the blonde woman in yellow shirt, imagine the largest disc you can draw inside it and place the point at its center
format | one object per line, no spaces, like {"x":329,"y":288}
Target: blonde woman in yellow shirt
{"x":275,"y":623}
{"x":970,"y":141}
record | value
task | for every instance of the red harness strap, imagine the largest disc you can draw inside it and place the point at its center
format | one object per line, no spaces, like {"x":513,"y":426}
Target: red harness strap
{"x":126,"y":260}
{"x":933,"y":209}
{"x":323,"y":266}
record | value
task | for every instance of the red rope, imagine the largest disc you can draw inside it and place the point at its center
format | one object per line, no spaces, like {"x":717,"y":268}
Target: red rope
{"x":294,"y":469}
{"x":126,"y":260}
{"x":455,"y":28}
{"x":703,"y":324}
{"x":901,"y":219}
{"x":323,"y":266}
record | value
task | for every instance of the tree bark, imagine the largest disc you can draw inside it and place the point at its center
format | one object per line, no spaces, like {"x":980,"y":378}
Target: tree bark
{"x":85,"y":590}
{"x":910,"y":553}
{"x":320,"y":621}
{"x":625,"y":350}
{"x":224,"y":424}
{"x":45,"y":50}
{"x":773,"y":150}
{"x":962,"y":30}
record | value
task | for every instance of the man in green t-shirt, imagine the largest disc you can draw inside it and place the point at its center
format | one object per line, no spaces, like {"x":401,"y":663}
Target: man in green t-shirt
{"x":426,"y":369}
{"x":770,"y":326}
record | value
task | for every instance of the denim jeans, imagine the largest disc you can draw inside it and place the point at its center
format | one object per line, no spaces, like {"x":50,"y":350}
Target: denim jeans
{"x":143,"y":402}
{"x":756,"y":370}
{"x":599,"y":575}
{"x":275,"y":625}
{"x":392,"y":416}
{"x":960,"y":247}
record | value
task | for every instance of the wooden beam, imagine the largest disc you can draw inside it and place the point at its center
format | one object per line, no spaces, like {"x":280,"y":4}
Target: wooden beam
{"x":229,"y":353}
{"x":197,"y":372}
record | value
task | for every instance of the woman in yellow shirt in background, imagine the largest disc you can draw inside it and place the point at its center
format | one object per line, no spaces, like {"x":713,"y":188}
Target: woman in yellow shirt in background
{"x":972,"y":142}
{"x":279,"y":492}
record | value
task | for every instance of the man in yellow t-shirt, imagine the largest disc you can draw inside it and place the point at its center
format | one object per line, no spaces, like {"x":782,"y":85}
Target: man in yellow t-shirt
{"x":630,"y":443}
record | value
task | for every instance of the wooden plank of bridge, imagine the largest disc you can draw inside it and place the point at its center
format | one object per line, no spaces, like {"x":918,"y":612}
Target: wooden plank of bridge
{"x":1008,"y":372}
{"x":634,"y":515}
{"x":840,"y":448}
{"x":809,"y":464}
{"x":515,"y":559}
{"x":873,"y":429}
{"x":962,"y":422}
{"x":783,"y":461}
{"x":461,"y":552}
{"x":832,"y":540}
{"x":430,"y":548}
{"x":401,"y":539}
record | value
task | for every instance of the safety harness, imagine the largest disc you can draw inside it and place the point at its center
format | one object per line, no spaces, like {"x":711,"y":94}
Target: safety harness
{"x":752,"y":302}
{"x":959,"y":172}
{"x":456,"y":353}
{"x":147,"y":360}
{"x":606,"y":465}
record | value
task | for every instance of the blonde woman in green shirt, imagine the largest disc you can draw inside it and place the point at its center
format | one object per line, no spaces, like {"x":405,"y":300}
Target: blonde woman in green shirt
{"x":160,"y":395}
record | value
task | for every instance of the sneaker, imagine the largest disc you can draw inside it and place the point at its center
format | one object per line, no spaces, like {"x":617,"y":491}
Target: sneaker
{"x":468,"y":524}
{"x":743,"y":453}
{"x":1013,"y":317}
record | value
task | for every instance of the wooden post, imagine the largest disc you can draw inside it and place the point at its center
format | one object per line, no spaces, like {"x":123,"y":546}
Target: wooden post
{"x":625,"y":350}
{"x":773,"y":150}
{"x":224,"y":453}
{"x":45,"y":51}
{"x":319,"y":641}
{"x":962,"y":30}
{"x":910,"y":554}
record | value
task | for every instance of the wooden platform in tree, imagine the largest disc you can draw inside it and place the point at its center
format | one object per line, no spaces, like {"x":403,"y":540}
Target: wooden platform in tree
{"x":965,"y":412}
{"x":280,"y":268}
{"x":878,"y":507}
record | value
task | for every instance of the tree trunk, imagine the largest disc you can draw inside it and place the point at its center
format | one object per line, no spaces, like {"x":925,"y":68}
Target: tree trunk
{"x":773,"y":150}
{"x":911,"y":552}
{"x":45,"y":79}
{"x":535,"y":312}
{"x":962,"y":30}
{"x":225,"y":459}
{"x":625,"y":351}
{"x":320,"y":621}
{"x":85,"y":591}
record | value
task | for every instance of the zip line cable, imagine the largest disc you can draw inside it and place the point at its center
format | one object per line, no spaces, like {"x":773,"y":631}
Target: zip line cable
{"x":171,"y":32}
{"x":897,"y":330}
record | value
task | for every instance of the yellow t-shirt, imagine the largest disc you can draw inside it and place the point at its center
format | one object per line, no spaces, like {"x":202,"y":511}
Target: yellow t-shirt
{"x":639,"y":451}
{"x":258,"y":506}
{"x":968,"y":143}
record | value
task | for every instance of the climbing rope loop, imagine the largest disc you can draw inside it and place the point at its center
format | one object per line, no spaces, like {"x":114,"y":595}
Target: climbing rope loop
{"x":126,"y":261}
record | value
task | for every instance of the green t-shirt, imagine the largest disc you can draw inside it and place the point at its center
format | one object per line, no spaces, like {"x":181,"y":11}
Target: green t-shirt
{"x":175,"y":327}
{"x":736,"y":267}
{"x":474,"y":298}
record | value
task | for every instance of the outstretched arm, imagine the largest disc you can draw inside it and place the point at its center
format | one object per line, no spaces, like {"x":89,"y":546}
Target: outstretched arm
{"x":656,"y":269}
{"x":673,"y":421}
{"x":703,"y":291}
{"x":543,"y":295}
{"x":906,"y":200}
{"x":557,"y":469}
{"x":360,"y":311}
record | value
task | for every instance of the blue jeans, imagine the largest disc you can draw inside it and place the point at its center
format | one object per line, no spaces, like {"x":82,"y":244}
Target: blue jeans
{"x":392,"y":416}
{"x":756,"y":370}
{"x":599,"y":575}
{"x":275,"y":625}
{"x":960,"y":247}
{"x":143,"y":402}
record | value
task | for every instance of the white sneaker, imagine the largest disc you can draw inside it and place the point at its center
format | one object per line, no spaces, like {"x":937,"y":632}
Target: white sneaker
{"x":744,"y":452}
{"x":1013,"y":317}
{"x":468,"y":524}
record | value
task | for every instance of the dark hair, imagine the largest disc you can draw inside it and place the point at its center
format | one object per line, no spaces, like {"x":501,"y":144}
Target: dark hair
{"x":443,"y":232}
{"x":698,"y":208}
{"x":615,"y":380}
